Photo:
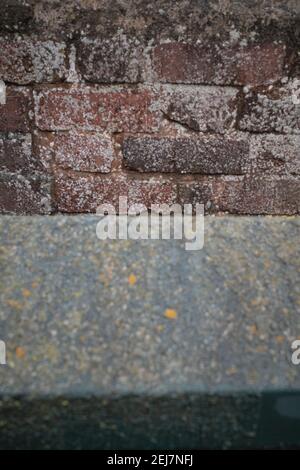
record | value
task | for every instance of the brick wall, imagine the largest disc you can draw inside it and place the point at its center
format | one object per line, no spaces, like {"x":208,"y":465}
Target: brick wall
{"x":163,"y":102}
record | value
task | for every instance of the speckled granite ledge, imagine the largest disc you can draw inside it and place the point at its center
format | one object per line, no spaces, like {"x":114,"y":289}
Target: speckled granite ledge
{"x":141,"y":344}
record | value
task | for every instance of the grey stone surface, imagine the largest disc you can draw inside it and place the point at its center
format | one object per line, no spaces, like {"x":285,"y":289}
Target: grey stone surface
{"x":93,"y":361}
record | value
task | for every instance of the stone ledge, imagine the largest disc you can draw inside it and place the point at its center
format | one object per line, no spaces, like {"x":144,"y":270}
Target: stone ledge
{"x":93,"y":360}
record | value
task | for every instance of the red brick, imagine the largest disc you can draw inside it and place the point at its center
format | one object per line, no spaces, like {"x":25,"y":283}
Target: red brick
{"x":24,"y":195}
{"x":259,"y":64}
{"x":261,"y":196}
{"x":198,"y":192}
{"x":201,"y":108}
{"x":17,"y":113}
{"x":182,"y":63}
{"x":244,"y":195}
{"x":113,"y":60}
{"x":27,"y":61}
{"x":208,"y":154}
{"x":219,"y":63}
{"x":83,"y":151}
{"x":272,"y":109}
{"x":94,"y":108}
{"x":84,"y":193}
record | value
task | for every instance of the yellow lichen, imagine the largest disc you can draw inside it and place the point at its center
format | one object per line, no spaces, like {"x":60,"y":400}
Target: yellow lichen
{"x":252,"y":329}
{"x":132,"y":279}
{"x":26,"y":293}
{"x":170,"y":313}
{"x":20,"y":352}
{"x":14,"y":304}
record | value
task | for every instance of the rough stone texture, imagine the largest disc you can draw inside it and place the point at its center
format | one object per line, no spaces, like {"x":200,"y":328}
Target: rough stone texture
{"x":113,"y":60}
{"x":162,"y":19}
{"x":201,"y":108}
{"x":16,"y":155}
{"x":89,"y":108}
{"x":24,"y":195}
{"x":17,"y":113}
{"x":84,"y":193}
{"x":96,"y":353}
{"x":83,"y":151}
{"x":204,"y":155}
{"x":200,"y":192}
{"x":221,"y":64}
{"x":25,"y":61}
{"x":42,"y":149}
{"x":276,"y":154}
{"x":272,"y":109}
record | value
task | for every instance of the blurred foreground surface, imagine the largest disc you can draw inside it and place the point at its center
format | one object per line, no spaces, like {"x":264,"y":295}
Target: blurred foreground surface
{"x":141,"y":344}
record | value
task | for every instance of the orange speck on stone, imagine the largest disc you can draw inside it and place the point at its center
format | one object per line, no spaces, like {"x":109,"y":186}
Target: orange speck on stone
{"x":231,"y":371}
{"x":34,"y":285}
{"x":20,"y":352}
{"x":252,"y":329}
{"x":261,"y":349}
{"x":132,"y":279}
{"x":170,"y":313}
{"x":267,"y":264}
{"x":26,"y":293}
{"x":279,"y":339}
{"x":14,"y":304}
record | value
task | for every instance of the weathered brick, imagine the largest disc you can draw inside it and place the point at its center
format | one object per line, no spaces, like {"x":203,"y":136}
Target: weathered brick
{"x":261,"y":196}
{"x":26,"y":61}
{"x":84,"y":193}
{"x":24,"y":195}
{"x":16,"y":154}
{"x":201,"y":108}
{"x":182,"y":63}
{"x":15,"y":16}
{"x":272,"y":109}
{"x":113,"y":60}
{"x":244,"y":195}
{"x":219,"y":63}
{"x":259,"y":64}
{"x":17,"y":113}
{"x":194,"y":19}
{"x":94,"y":108}
{"x":274,"y":154}
{"x":42,"y":149}
{"x":198,"y":192}
{"x":207,"y":154}
{"x":83,"y":151}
